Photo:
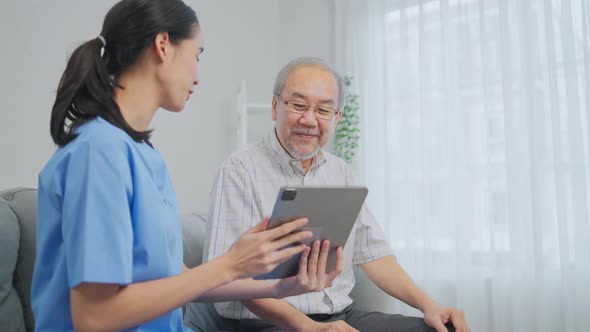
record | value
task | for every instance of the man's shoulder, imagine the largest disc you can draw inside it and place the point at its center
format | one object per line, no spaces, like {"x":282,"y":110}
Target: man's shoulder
{"x":246,"y":157}
{"x":334,"y":160}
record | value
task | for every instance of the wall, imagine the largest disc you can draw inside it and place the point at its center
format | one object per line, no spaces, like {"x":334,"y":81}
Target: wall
{"x":248,"y":40}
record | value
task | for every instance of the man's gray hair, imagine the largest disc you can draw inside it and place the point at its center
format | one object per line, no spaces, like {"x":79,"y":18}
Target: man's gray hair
{"x":309,"y":62}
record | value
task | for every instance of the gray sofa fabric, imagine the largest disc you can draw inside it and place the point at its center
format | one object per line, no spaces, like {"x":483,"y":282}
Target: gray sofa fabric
{"x":18,"y":215}
{"x":18,"y":220}
{"x":200,"y":317}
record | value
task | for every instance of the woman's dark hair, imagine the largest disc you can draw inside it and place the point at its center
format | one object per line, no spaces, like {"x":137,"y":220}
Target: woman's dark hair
{"x":86,"y":88}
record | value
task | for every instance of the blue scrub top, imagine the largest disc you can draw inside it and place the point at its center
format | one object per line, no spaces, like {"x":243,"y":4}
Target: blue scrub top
{"x":107,"y":213}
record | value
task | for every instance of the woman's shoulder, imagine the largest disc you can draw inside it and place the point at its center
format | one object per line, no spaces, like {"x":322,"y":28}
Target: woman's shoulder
{"x":99,"y":132}
{"x":98,"y":147}
{"x":95,"y":139}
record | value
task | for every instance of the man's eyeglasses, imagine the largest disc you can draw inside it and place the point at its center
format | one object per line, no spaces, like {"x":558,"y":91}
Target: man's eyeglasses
{"x":300,"y":107}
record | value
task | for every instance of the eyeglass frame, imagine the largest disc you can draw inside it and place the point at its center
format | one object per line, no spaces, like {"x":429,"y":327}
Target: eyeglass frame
{"x":291,"y":109}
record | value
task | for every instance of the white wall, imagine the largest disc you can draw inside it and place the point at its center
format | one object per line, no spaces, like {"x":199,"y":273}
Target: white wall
{"x":248,"y":40}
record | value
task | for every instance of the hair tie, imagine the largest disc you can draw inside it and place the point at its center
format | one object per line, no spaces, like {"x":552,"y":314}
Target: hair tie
{"x":104,"y":41}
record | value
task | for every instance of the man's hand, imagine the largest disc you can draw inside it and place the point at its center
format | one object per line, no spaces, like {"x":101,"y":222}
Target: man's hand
{"x":437,"y":316}
{"x":312,"y":276}
{"x":337,"y":326}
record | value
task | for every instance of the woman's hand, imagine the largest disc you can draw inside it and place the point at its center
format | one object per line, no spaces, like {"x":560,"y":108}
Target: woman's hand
{"x":259,"y":250}
{"x":312,"y":276}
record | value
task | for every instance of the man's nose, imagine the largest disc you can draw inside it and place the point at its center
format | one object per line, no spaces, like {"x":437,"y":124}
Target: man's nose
{"x":309,"y":118}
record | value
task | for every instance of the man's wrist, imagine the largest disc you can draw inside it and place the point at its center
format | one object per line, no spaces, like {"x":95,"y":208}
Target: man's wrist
{"x":305,"y":325}
{"x":276,"y":290}
{"x":427,"y":304}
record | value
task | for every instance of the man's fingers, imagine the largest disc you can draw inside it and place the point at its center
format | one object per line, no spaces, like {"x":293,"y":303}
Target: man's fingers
{"x":439,"y":326}
{"x":458,"y":320}
{"x":262,"y":226}
{"x":323,"y":259}
{"x":339,"y":265}
{"x":312,"y":265}
{"x":303,"y":260}
{"x":286,"y":228}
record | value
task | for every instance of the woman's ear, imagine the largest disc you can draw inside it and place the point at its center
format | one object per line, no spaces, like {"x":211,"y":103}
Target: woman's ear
{"x":162,"y":45}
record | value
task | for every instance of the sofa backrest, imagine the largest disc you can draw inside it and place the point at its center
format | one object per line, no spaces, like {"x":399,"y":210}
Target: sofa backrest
{"x":194,"y":227}
{"x":198,"y":316}
{"x":18,"y":217}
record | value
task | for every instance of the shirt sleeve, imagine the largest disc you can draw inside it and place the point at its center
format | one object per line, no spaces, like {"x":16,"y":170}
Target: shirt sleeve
{"x":233,"y":211}
{"x":96,"y":220}
{"x":370,"y":243}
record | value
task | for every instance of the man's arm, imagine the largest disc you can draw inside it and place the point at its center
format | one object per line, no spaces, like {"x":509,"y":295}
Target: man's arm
{"x":388,"y":275}
{"x":283,"y":315}
{"x":280,"y":313}
{"x":310,"y":277}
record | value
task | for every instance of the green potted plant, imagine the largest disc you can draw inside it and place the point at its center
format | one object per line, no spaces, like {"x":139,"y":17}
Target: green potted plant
{"x":347,"y":135}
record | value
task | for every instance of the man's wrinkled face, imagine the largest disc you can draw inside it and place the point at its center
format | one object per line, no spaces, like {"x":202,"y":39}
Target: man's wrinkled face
{"x":303,"y":135}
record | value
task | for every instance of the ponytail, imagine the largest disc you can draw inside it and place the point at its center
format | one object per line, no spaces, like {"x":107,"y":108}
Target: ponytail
{"x":85,"y":91}
{"x":87,"y":86}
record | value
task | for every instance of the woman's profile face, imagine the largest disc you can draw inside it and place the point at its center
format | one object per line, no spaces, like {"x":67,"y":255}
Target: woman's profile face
{"x":180,"y":72}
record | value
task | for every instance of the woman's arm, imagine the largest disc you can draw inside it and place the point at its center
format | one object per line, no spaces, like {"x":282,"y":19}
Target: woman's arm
{"x":106,"y":307}
{"x":311,"y":277}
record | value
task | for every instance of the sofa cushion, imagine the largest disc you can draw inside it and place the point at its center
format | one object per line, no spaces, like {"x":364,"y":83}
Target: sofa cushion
{"x":198,"y":316}
{"x":194,"y":227}
{"x":11,"y":310}
{"x":23,"y":202}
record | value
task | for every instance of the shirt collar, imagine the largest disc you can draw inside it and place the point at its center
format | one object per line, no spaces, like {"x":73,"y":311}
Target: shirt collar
{"x":284,"y":158}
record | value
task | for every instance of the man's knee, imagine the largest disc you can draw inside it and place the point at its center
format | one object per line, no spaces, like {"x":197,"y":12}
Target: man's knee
{"x":425,"y":328}
{"x":377,"y":321}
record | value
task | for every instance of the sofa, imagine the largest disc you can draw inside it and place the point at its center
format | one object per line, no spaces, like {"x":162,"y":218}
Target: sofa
{"x":18,"y":209}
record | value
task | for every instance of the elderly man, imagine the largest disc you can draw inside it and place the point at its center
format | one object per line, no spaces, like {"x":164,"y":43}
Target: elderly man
{"x":306,"y":107}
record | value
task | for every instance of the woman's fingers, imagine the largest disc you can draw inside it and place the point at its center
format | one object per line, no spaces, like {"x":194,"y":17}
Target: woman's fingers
{"x":284,"y":229}
{"x":290,"y":239}
{"x":284,"y":254}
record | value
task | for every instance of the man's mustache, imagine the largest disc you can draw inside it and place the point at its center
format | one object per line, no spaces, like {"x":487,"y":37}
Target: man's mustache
{"x":306,"y":131}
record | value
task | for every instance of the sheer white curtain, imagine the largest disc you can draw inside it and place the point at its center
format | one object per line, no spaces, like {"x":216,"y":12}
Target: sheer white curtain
{"x":475,"y":148}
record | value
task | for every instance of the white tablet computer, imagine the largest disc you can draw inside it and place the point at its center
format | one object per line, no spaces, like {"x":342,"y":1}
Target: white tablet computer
{"x":331,"y":211}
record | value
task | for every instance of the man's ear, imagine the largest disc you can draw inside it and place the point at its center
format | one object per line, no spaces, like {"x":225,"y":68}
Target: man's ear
{"x":162,"y":45}
{"x":336,"y":120}
{"x":274,"y":108}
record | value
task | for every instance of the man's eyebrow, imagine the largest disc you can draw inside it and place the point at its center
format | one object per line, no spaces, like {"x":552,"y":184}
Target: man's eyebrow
{"x":299,"y":95}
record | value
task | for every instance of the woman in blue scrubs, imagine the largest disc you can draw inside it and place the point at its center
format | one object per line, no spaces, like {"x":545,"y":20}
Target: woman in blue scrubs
{"x":109,"y":242}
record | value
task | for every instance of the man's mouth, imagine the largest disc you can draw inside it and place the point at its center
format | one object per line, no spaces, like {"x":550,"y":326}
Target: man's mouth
{"x":306,"y":133}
